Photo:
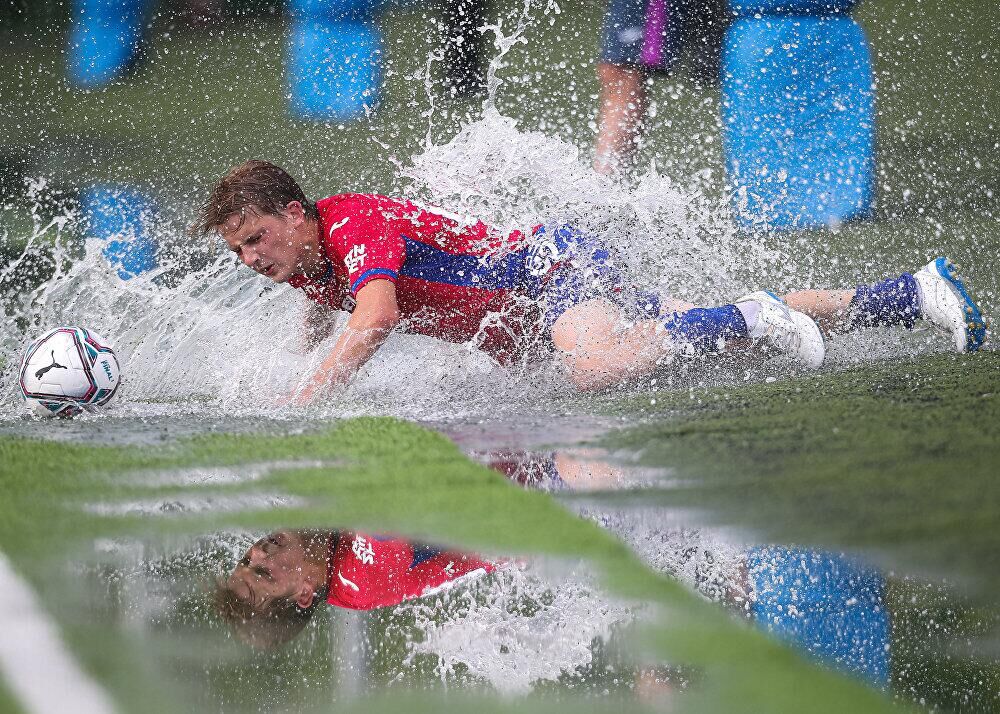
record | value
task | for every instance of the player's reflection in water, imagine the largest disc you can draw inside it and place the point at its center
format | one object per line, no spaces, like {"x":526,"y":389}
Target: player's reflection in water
{"x":280,"y":581}
{"x":829,"y":605}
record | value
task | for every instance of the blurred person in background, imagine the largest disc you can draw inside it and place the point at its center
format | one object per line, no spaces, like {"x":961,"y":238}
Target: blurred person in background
{"x":334,"y":49}
{"x":642,"y":39}
{"x":798,"y":100}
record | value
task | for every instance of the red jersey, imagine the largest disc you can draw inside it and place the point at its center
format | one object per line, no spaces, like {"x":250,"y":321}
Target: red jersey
{"x":453,"y":281}
{"x":366,"y":572}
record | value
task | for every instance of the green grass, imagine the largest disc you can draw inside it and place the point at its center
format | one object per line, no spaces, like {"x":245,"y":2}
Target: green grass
{"x":8,"y":703}
{"x":943,"y":649}
{"x":897,"y":461}
{"x":394,"y":477}
{"x":897,"y":458}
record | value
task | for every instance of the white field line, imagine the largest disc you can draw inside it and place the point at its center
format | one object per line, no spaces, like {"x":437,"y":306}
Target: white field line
{"x":34,"y":662}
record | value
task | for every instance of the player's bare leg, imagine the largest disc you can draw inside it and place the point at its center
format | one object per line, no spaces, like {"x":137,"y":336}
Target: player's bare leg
{"x":935,"y":294}
{"x":622,"y":111}
{"x":831,"y":309}
{"x":600,"y":348}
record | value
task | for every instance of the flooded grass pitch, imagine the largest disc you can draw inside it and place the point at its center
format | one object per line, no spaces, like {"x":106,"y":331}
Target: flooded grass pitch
{"x":132,"y":620}
{"x":898,"y":458}
{"x":724,"y":537}
{"x":592,"y":610}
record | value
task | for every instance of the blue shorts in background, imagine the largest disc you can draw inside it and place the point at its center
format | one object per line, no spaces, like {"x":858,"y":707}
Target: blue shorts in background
{"x":827,"y":604}
{"x":652,"y":34}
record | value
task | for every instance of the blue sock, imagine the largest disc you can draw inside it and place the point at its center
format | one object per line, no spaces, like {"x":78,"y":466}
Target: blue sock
{"x":891,"y":302}
{"x":706,"y":328}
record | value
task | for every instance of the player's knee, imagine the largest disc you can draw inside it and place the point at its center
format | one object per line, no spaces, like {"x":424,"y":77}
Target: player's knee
{"x":583,"y":326}
{"x":582,"y":337}
{"x":585,"y":363}
{"x":580,"y":359}
{"x":564,"y":336}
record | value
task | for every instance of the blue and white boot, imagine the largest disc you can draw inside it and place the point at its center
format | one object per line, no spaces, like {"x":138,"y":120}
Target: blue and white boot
{"x":946,"y":304}
{"x":788,"y":331}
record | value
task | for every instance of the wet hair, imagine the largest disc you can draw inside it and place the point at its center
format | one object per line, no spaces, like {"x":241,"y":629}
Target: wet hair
{"x":253,"y":185}
{"x":275,"y":622}
{"x":266,"y":626}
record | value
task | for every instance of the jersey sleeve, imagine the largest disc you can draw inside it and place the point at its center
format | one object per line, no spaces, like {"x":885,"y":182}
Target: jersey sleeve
{"x":369,"y":244}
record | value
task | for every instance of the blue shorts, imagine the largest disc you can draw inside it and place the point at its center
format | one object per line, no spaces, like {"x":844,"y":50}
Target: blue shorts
{"x":651,"y":34}
{"x":571,"y":267}
{"x":638,"y":33}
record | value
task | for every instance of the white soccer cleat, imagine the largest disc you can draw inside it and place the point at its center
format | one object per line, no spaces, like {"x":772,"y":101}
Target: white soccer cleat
{"x":945,"y":303}
{"x":787,"y":331}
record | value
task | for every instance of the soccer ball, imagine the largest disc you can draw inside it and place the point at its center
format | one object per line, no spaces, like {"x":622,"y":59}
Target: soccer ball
{"x":67,"y":370}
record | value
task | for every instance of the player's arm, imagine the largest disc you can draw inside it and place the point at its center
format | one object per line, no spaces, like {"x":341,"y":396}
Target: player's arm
{"x":374,"y":317}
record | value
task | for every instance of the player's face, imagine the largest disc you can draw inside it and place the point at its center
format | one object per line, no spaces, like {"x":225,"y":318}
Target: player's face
{"x":271,"y":569}
{"x":278,"y":246}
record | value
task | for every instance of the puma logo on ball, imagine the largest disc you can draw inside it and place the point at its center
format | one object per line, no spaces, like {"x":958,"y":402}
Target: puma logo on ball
{"x":54,"y":365}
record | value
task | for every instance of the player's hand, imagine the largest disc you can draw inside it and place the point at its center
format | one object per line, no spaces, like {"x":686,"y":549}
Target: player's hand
{"x":300,"y":397}
{"x":286,"y":400}
{"x":304,"y":395}
{"x":317,"y":386}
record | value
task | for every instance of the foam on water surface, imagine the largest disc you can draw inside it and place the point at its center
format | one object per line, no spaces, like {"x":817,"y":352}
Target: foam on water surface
{"x":190,"y":504}
{"x":518,"y":631}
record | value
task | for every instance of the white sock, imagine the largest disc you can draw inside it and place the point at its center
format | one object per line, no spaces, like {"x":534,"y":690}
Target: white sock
{"x":749,"y":310}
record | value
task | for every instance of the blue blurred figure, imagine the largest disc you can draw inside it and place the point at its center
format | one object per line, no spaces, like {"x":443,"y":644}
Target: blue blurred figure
{"x":105,"y":38}
{"x":829,"y":605}
{"x":334,"y":49}
{"x":334,"y":67}
{"x":121,"y":217}
{"x":798,"y":114}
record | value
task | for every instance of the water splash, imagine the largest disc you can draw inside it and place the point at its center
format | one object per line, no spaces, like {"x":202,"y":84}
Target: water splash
{"x":674,"y":239}
{"x":515,"y":629}
{"x":219,"y":339}
{"x":202,"y":335}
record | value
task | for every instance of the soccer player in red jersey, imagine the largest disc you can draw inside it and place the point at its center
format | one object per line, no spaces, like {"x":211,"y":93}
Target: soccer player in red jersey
{"x":393,"y":263}
{"x":277,"y":585}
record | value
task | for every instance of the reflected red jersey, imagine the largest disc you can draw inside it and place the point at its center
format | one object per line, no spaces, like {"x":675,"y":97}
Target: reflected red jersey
{"x":453,"y":281}
{"x":366,"y":571}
